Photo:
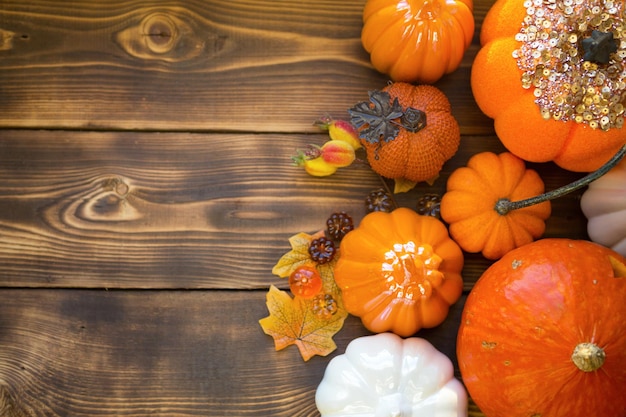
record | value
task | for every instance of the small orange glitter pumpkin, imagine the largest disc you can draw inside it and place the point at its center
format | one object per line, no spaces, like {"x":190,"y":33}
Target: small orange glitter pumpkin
{"x":550,"y":75}
{"x":399,"y":271}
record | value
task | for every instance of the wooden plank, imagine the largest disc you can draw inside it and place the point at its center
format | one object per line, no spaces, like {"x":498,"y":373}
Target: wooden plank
{"x":152,"y":210}
{"x":167,"y":353}
{"x":265,"y":66}
{"x":151,"y":215}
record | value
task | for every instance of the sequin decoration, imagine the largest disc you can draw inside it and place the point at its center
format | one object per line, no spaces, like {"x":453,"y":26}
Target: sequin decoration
{"x":565,"y":86}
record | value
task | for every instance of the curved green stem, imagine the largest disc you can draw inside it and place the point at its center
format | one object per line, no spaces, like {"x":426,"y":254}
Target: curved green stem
{"x":504,"y":205}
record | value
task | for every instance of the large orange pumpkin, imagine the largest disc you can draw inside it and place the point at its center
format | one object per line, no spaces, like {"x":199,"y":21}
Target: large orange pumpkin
{"x":542,"y":333}
{"x":417,"y":40}
{"x":539,"y":75}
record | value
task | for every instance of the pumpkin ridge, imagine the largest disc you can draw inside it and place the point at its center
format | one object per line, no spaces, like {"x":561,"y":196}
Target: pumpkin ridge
{"x":529,"y":185}
{"x":458,"y":205}
{"x":513,"y":176}
{"x":490,"y":167}
{"x":522,"y":231}
{"x":472,"y":232}
{"x":470,"y":180}
{"x":488,"y":85}
{"x":500,"y":239}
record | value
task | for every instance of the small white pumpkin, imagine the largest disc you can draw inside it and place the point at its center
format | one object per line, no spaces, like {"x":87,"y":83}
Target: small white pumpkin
{"x":604,"y":205}
{"x":386,"y":376}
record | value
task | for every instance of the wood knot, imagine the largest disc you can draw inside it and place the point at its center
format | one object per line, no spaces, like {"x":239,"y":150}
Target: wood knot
{"x":107,"y":203}
{"x":161,"y":33}
{"x":167,"y":35}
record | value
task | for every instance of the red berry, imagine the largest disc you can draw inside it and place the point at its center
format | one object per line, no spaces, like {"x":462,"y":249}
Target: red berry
{"x":322,"y":250}
{"x":305,"y":282}
{"x":338,"y":225}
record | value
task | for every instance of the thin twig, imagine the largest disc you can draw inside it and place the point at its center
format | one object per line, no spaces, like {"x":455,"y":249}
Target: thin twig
{"x":504,"y":205}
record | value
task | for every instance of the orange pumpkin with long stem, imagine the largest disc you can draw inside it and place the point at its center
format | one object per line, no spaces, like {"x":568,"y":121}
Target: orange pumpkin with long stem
{"x":495,"y":205}
{"x":550,"y":76}
{"x":473,"y":192}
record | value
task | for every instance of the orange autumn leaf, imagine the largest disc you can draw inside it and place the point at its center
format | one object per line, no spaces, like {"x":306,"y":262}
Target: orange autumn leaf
{"x":292,"y":322}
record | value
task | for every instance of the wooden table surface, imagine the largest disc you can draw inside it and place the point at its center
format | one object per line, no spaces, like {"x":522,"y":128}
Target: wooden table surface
{"x":147,"y":190}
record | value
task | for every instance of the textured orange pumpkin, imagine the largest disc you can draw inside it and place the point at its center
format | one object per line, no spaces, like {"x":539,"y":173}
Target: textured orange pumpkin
{"x":413,"y":155}
{"x":399,"y":272}
{"x":542,"y":332}
{"x":549,"y":99}
{"x":417,"y":40}
{"x":470,"y":208}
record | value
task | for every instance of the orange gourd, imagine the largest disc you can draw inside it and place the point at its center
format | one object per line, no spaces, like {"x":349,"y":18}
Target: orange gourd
{"x":551,"y":79}
{"x":542,"y":332}
{"x":417,"y":40}
{"x":470,"y":204}
{"x":399,"y":272}
{"x":408,"y":131}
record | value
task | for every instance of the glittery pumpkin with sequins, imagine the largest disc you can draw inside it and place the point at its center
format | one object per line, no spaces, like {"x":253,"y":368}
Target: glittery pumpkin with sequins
{"x":552,"y":75}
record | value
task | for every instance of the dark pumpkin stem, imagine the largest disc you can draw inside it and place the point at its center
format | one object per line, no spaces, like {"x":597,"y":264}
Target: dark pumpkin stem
{"x":413,"y":120}
{"x":504,"y":205}
{"x":599,"y":46}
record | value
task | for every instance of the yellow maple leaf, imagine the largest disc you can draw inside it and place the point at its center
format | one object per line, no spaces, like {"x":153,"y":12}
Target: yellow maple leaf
{"x":297,"y":256}
{"x":292,"y":322}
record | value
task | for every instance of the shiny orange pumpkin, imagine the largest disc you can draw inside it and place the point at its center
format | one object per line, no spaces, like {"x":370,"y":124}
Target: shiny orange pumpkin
{"x":551,"y":96}
{"x":417,"y":40}
{"x":542,"y":332}
{"x":399,"y":271}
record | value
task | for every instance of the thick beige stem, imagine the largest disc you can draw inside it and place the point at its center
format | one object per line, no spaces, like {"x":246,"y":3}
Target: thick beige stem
{"x":588,"y":357}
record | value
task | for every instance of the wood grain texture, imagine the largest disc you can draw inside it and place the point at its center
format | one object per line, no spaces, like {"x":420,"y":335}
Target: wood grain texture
{"x":166,"y":353}
{"x":263,"y":66}
{"x":153,"y":210}
{"x":146,"y":192}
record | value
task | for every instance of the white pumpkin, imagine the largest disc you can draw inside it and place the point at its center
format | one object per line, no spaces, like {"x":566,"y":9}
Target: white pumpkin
{"x":604,"y":205}
{"x":385,"y":375}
